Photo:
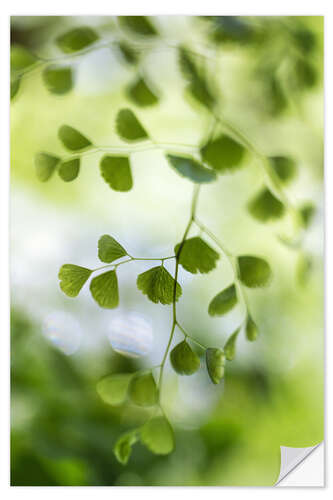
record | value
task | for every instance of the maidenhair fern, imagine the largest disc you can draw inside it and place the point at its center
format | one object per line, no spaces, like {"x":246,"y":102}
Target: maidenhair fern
{"x":225,"y":151}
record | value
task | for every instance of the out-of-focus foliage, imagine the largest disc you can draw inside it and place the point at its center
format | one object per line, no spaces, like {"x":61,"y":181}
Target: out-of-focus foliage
{"x":163,"y":84}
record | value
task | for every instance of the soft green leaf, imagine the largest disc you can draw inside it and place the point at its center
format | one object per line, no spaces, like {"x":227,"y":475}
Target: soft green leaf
{"x":307,"y":212}
{"x":254,"y":271}
{"x":199,"y":90}
{"x":292,"y":243}
{"x":276,"y":98}
{"x":104,"y":289}
{"x":58,"y":79}
{"x":129,"y":127}
{"x":233,"y":30}
{"x":223,"y":154}
{"x":72,"y":139}
{"x":123,"y":447}
{"x":20,"y":58}
{"x":303,"y":269}
{"x":215,"y":359}
{"x":142,"y":389}
{"x":116,"y":171}
{"x":140,"y":25}
{"x":197,"y":87}
{"x":184,"y":360}
{"x":251,"y":329}
{"x":141,"y":94}
{"x":14,"y":86}
{"x":45,"y":165}
{"x":223,"y":302}
{"x":130,"y":55}
{"x":76,"y":39}
{"x":69,"y":170}
{"x":158,"y":284}
{"x":305,"y":39}
{"x":113,"y":388}
{"x":284,"y":167}
{"x":109,"y":249}
{"x":305,"y":74}
{"x":265,"y":206}
{"x":196,"y":255}
{"x":191,"y":169}
{"x":230,"y":345}
{"x":72,"y":278}
{"x":187,"y":66}
{"x":157,"y":434}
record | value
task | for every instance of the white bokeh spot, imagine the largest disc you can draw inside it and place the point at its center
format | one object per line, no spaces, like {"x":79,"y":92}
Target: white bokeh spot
{"x":130,"y":334}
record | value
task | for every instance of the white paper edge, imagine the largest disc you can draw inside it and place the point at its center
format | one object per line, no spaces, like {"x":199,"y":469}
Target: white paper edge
{"x":291,"y":458}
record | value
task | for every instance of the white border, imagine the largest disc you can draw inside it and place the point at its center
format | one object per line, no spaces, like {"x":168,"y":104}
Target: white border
{"x":103,"y":7}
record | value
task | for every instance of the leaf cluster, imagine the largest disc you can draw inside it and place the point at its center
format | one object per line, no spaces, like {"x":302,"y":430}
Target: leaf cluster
{"x":156,"y":283}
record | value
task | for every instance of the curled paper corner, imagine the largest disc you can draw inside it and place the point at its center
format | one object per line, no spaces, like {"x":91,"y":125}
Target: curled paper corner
{"x":291,"y":457}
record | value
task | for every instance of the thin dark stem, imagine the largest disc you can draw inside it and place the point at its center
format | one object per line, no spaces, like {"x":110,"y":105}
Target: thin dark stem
{"x":269,"y":172}
{"x":187,"y":335}
{"x":212,"y":236}
{"x":42,"y":61}
{"x":133,"y":149}
{"x":174,"y":311}
{"x":131,"y":259}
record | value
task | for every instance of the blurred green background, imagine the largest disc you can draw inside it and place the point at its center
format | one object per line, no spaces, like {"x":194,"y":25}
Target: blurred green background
{"x":269,"y":77}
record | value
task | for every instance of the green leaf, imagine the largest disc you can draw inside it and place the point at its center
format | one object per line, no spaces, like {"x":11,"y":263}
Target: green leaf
{"x":196,"y":255}
{"x":72,"y":278}
{"x":140,"y":25}
{"x":123,"y":447}
{"x":116,"y":172}
{"x":223,"y":154}
{"x":265,"y":206}
{"x":158,"y":284}
{"x":307,"y":212}
{"x":14,"y":86}
{"x":128,"y":126}
{"x":303,"y":269}
{"x":276,"y":97}
{"x":45,"y":165}
{"x":187,"y":66}
{"x":253,"y":271}
{"x":142,"y":389}
{"x":69,"y":170}
{"x":305,"y":40}
{"x":72,"y":139}
{"x":284,"y":167}
{"x":230,"y":345}
{"x":251,"y":329}
{"x":157,"y":435}
{"x":113,"y":388}
{"x":141,"y":94}
{"x":233,"y":30}
{"x":191,"y":169}
{"x":199,"y":90}
{"x":76,"y":39}
{"x":58,"y":79}
{"x":305,"y":74}
{"x":223,"y":302}
{"x":215,"y":359}
{"x":109,"y":249}
{"x":104,"y":289}
{"x":198,"y":87}
{"x":184,"y":360}
{"x":129,"y":54}
{"x":292,"y":243}
{"x":20,"y":58}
